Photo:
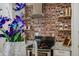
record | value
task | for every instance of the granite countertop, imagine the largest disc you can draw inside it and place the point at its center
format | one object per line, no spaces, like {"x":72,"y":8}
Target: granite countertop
{"x":59,"y":46}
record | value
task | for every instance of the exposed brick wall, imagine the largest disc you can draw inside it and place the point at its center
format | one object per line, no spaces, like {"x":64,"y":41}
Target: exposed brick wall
{"x":48,"y":23}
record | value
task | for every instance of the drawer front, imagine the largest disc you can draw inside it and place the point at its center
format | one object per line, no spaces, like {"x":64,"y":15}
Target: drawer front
{"x":61,"y":53}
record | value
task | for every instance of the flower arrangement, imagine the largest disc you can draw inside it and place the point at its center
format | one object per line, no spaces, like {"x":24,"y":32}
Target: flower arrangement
{"x":13,"y":34}
{"x":16,"y":27}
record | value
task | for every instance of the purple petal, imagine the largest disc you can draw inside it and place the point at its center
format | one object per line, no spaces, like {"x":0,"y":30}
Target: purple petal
{"x":3,"y":21}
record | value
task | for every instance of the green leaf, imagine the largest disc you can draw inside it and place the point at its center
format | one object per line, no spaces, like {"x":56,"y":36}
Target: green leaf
{"x":22,"y":39}
{"x":16,"y":36}
{"x":5,"y":34}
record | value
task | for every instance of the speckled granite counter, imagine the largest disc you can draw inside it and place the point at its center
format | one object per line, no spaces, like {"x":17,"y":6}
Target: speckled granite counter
{"x":59,"y":46}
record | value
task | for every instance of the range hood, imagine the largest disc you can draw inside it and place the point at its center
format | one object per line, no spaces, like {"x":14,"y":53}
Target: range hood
{"x":37,"y":10}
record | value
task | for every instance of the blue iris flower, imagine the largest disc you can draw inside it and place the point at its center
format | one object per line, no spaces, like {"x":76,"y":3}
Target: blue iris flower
{"x":3,"y":20}
{"x":16,"y":26}
{"x":19,"y":6}
{"x":17,"y":23}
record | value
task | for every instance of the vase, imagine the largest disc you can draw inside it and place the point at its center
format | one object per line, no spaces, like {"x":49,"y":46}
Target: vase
{"x":14,"y":49}
{"x":2,"y":41}
{"x":8,"y":49}
{"x":20,"y":49}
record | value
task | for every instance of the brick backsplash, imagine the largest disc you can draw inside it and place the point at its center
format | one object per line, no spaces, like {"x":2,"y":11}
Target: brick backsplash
{"x":48,"y":23}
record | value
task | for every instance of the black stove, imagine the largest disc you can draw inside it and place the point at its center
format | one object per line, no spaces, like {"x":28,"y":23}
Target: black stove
{"x":45,"y":42}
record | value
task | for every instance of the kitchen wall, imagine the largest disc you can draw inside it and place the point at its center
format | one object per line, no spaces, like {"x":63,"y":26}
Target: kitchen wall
{"x":47,"y":25}
{"x":75,"y":29}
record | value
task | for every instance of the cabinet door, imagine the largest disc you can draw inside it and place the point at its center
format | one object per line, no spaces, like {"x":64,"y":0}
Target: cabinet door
{"x":61,"y":53}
